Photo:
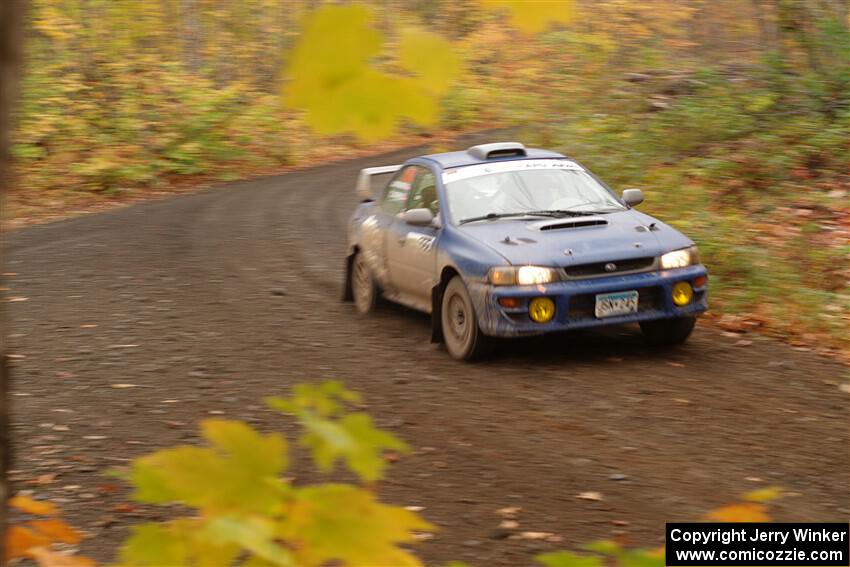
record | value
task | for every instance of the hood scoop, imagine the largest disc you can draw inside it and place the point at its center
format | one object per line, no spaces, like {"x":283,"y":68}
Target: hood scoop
{"x":560,"y":224}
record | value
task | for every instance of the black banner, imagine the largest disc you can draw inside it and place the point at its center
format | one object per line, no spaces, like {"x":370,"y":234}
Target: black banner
{"x":761,"y":544}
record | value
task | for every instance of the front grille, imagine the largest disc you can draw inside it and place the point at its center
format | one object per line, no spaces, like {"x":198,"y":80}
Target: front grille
{"x":583,"y":306}
{"x":598,"y":268}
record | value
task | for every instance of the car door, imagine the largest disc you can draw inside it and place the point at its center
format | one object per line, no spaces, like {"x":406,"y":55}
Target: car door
{"x":376,"y":226}
{"x":411,"y":250}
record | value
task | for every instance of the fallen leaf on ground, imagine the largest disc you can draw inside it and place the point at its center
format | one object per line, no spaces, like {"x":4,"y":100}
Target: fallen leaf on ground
{"x":676,"y":364}
{"x":56,"y":530}
{"x":122,"y":386}
{"x":88,"y":326}
{"x":414,"y":508}
{"x":743,"y":342}
{"x":18,"y":299}
{"x":510,"y":511}
{"x":20,"y":540}
{"x":747,"y":512}
{"x":539,"y":536}
{"x":591,"y":495}
{"x":124,"y":508}
{"x":32,"y":506}
{"x":47,"y":558}
{"x":48,"y":478}
{"x":509,"y":524}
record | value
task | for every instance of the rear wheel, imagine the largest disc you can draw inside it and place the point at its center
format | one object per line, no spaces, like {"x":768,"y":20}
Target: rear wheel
{"x":461,"y":333}
{"x":667,"y":332}
{"x":363,"y":286}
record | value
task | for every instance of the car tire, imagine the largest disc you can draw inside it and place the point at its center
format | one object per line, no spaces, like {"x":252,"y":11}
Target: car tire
{"x":364,"y":289}
{"x":668,"y":332}
{"x":461,"y":333}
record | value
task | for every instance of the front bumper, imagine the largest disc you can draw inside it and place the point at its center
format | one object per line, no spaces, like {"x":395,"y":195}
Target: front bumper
{"x":575,"y":301}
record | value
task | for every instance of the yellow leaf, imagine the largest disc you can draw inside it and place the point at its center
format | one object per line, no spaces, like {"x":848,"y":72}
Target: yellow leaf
{"x":534,"y":16}
{"x":32,"y":506}
{"x":334,"y":80}
{"x":265,"y":454}
{"x":764,"y":494}
{"x":431,"y":57}
{"x":745,"y":512}
{"x":336,"y":522}
{"x":153,"y":544}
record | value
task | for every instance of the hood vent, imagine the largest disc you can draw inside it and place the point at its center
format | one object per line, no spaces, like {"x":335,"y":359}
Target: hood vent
{"x":572,"y":223}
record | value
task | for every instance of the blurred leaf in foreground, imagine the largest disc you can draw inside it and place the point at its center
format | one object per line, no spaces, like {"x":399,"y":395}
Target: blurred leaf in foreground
{"x":245,"y":509}
{"x":334,"y":79}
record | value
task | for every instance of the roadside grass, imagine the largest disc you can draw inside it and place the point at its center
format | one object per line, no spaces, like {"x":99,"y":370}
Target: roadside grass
{"x":758,"y":178}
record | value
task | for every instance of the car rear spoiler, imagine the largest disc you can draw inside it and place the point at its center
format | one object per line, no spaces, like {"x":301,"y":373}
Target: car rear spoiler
{"x":364,"y":180}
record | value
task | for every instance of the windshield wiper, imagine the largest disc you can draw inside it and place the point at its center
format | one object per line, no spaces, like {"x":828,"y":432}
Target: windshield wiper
{"x":557,"y":213}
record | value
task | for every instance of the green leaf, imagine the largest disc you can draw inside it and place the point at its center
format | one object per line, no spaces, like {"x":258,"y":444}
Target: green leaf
{"x":337,"y":522}
{"x":568,"y":559}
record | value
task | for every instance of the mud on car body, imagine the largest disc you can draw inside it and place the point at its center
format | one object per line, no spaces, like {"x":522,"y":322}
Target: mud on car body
{"x":501,"y":240}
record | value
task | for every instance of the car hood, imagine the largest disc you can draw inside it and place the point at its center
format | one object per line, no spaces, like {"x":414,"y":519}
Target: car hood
{"x":569,"y":241}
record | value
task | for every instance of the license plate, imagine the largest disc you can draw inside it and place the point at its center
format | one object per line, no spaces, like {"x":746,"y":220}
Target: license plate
{"x":619,"y":303}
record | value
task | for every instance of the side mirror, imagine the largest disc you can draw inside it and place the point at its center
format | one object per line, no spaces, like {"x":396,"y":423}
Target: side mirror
{"x":418,"y":217}
{"x":633,"y":197}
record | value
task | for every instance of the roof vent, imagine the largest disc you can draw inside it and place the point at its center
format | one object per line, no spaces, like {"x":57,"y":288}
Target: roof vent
{"x":497,"y":150}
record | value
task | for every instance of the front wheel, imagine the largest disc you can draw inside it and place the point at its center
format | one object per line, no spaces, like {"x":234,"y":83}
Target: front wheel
{"x":668,"y":332}
{"x":461,"y":333}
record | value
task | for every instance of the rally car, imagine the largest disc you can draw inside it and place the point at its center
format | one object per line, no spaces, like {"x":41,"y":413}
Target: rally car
{"x":501,"y":240}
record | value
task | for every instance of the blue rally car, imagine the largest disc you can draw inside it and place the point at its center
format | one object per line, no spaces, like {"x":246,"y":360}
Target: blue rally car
{"x":501,"y":240}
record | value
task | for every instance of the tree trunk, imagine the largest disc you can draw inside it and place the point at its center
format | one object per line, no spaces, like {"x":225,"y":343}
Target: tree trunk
{"x":11,"y":27}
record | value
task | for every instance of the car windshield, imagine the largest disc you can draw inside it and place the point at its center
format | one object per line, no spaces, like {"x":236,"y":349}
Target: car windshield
{"x":532,"y":186}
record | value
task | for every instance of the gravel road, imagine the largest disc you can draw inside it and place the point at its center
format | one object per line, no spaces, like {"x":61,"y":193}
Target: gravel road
{"x":207,"y":302}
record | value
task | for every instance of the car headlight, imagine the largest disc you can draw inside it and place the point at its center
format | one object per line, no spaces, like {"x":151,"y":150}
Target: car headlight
{"x":522,"y":275}
{"x":680,"y":258}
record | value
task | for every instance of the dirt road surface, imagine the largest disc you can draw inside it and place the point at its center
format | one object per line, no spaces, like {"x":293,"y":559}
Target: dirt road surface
{"x":208,"y":302}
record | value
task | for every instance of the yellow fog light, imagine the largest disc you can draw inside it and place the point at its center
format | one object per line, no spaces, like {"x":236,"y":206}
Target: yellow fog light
{"x":541,"y":309}
{"x":683,"y":293}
